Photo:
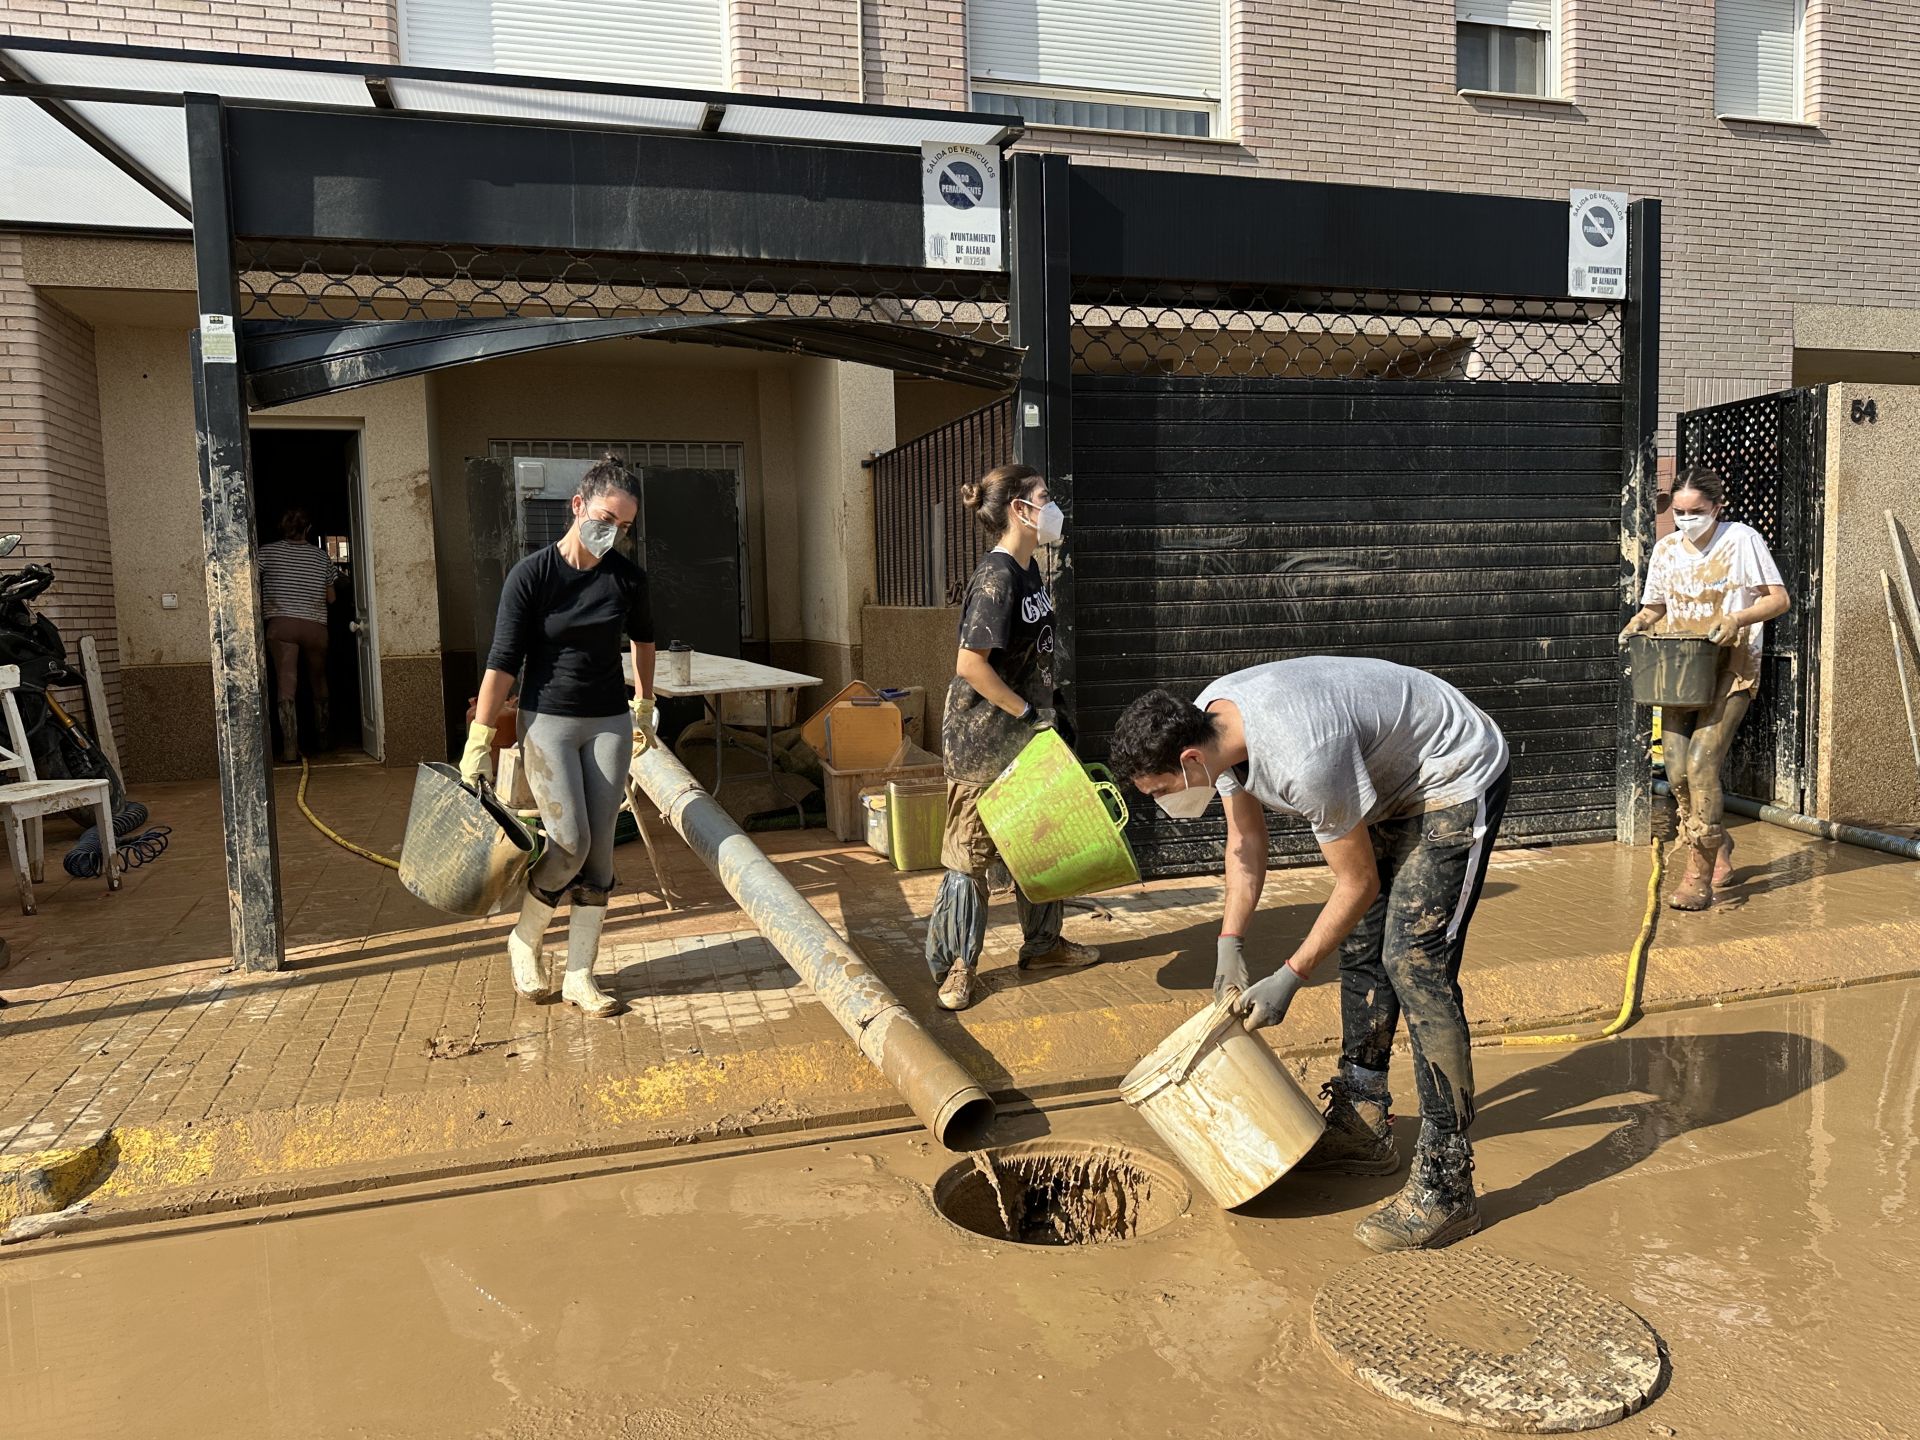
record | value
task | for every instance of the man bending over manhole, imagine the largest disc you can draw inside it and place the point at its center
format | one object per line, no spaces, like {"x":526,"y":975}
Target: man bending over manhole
{"x":1403,"y":781}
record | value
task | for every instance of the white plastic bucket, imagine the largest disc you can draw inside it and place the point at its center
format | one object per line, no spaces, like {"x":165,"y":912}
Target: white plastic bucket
{"x":1221,"y":1099}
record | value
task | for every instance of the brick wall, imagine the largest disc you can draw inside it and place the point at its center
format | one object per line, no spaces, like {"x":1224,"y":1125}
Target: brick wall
{"x":1758,"y":217}
{"x":52,"y":477}
{"x":807,"y":49}
{"x":337,"y":30}
{"x":916,"y":52}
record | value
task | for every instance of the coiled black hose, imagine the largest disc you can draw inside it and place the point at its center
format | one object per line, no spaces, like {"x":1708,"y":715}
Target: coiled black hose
{"x":85,"y":859}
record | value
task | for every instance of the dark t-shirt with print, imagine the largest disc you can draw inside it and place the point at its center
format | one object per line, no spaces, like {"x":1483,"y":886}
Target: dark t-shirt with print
{"x":1007,"y":613}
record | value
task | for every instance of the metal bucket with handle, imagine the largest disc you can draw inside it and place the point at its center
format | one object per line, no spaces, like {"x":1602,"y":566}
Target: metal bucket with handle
{"x":465,"y":852}
{"x":1225,"y":1104}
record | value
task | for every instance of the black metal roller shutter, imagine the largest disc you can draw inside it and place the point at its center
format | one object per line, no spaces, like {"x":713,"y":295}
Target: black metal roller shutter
{"x":1468,"y":528}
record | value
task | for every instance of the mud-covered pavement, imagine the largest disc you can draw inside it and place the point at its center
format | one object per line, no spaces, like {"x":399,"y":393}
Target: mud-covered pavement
{"x":1744,"y":1177}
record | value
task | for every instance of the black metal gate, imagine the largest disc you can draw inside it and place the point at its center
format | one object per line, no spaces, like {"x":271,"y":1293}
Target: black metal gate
{"x":1470,"y":528}
{"x":1771,"y":450}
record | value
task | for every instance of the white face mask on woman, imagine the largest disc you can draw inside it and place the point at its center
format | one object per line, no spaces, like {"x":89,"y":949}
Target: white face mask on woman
{"x":598,"y":535}
{"x":1049,"y":522}
{"x":1190,"y":803}
{"x":1694,"y":526}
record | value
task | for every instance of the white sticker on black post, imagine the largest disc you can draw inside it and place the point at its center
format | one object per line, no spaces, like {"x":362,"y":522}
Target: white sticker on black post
{"x":960,"y":198}
{"x":218,"y":343}
{"x":1597,"y":244}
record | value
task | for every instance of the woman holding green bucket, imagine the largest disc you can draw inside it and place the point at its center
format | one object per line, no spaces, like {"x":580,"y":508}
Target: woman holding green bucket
{"x":1002,"y":693}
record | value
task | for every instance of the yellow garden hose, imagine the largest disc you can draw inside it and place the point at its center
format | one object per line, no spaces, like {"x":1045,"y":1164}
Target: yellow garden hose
{"x":1636,"y":967}
{"x":321,"y":825}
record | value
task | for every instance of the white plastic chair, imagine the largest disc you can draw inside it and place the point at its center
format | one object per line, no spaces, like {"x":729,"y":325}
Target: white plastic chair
{"x":26,"y":799}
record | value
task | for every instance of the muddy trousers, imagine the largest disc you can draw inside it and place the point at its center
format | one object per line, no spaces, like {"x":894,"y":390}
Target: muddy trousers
{"x":577,"y":770}
{"x":296,"y":645}
{"x":1694,"y":744}
{"x":958,"y":929}
{"x":1404,"y":955}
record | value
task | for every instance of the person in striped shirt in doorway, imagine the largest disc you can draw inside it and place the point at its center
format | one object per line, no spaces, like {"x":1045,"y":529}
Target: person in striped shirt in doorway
{"x":296,"y":586}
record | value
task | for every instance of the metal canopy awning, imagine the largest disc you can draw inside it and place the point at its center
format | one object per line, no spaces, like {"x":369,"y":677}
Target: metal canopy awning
{"x":299,"y":360}
{"x":93,"y":136}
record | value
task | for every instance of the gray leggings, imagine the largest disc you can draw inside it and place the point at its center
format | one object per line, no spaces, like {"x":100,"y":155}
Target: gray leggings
{"x":577,"y":770}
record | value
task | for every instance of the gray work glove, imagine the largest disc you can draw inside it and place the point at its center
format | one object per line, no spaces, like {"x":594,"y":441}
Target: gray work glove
{"x":1266,"y":1003}
{"x":1229,"y":967}
{"x":1040,"y":717}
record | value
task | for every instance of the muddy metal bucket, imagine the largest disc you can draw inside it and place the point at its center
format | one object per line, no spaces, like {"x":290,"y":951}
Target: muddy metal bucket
{"x":1060,"y":828}
{"x":464,"y":851}
{"x":1676,"y":670}
{"x":1225,"y":1104}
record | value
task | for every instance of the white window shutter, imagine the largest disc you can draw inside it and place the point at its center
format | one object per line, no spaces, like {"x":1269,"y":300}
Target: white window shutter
{"x":1514,"y":14}
{"x":635,"y":42}
{"x":1756,"y":58}
{"x":1135,"y":47}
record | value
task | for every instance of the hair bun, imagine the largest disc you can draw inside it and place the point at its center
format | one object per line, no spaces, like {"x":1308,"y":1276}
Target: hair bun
{"x":970,"y":494}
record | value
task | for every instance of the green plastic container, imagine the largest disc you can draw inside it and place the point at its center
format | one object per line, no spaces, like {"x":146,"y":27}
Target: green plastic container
{"x":916,"y":822}
{"x":1061,"y":831}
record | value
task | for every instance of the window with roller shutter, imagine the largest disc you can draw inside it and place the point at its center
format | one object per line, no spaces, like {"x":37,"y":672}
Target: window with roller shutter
{"x":1757,"y":59}
{"x":1150,"y":66}
{"x":662,"y":42}
{"x":1507,"y":47}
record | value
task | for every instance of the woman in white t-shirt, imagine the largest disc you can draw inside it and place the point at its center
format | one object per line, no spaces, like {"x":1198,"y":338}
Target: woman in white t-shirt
{"x":1713,"y":577}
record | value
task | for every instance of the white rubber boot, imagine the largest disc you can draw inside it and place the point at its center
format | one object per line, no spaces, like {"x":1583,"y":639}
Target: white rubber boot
{"x":524,"y":952}
{"x":584,"y":922}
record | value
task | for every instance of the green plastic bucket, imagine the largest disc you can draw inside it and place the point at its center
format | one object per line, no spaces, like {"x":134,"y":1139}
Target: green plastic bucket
{"x":1061,"y":831}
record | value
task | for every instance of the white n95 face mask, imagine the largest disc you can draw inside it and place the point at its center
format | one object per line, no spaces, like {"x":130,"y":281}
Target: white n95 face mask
{"x":1051,"y":524}
{"x":598,"y":535}
{"x":1190,"y":803}
{"x":1694,"y":526}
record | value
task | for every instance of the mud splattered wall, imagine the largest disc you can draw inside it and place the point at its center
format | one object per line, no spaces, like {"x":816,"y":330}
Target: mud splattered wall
{"x":1866,"y":771}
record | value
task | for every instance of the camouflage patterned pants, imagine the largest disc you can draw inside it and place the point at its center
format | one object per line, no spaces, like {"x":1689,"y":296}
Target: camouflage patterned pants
{"x":1403,"y":958}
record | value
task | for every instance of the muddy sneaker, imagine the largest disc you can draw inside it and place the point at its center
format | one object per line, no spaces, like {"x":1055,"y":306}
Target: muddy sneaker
{"x":956,"y":991}
{"x":1065,"y":955}
{"x":1435,"y":1207}
{"x":1359,"y":1134}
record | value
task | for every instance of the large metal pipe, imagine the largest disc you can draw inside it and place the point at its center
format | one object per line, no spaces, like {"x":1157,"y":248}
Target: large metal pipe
{"x":948,"y":1101}
{"x":1904,"y":845}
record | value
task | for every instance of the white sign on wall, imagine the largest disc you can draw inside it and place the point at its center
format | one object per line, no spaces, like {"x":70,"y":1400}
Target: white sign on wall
{"x":1597,"y":244}
{"x":960,"y":198}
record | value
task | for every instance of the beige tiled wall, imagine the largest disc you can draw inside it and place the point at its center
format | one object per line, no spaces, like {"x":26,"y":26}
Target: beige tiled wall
{"x":331,"y":29}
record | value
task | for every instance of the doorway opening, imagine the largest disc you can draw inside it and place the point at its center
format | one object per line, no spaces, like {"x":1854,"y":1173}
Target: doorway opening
{"x":317,"y":473}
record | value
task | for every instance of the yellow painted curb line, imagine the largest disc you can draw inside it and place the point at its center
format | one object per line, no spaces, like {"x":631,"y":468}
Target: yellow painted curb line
{"x":51,"y":1180}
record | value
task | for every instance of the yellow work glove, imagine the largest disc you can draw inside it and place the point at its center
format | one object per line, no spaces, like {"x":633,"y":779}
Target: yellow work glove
{"x":646,"y":722}
{"x":476,"y":761}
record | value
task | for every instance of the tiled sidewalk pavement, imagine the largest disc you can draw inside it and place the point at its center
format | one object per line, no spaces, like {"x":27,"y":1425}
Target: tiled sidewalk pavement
{"x":394,"y":1034}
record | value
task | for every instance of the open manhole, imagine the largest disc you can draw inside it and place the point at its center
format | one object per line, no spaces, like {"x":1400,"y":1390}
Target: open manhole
{"x":1058,"y":1192}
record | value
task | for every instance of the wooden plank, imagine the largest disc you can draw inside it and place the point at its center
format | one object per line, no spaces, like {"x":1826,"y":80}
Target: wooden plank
{"x":99,"y":717}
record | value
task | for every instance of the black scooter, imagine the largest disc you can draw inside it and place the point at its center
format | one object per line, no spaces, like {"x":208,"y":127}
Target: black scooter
{"x":61,"y":749}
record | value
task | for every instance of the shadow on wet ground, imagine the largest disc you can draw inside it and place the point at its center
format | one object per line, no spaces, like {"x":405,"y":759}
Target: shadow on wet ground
{"x":1645,"y":1090}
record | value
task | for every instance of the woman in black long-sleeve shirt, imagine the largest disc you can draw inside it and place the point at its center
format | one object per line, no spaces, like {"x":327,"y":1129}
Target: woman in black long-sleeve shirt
{"x":565,"y":612}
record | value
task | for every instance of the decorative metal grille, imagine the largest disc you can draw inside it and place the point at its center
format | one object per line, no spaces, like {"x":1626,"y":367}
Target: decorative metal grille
{"x":1771,"y":452}
{"x":926,"y":542}
{"x":1168,"y":328}
{"x":287,"y":281}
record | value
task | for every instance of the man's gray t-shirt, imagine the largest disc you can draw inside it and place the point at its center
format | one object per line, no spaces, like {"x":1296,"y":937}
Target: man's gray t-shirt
{"x":1343,"y":742}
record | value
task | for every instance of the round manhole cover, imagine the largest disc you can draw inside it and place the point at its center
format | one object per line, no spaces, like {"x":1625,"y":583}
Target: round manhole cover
{"x":1476,"y":1337}
{"x":1059,"y":1192}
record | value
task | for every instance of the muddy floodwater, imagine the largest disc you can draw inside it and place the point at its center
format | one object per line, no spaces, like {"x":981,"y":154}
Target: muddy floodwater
{"x":1743,"y":1177}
